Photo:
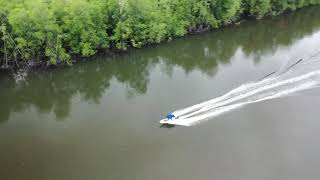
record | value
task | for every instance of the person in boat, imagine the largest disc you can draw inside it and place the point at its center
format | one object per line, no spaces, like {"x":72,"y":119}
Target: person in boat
{"x":170,"y":117}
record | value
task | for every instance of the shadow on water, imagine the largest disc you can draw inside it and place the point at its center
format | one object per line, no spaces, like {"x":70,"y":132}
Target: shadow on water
{"x":52,"y":91}
{"x":167,"y":126}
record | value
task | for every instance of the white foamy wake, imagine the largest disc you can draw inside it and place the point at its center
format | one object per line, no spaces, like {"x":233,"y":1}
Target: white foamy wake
{"x":226,"y":96}
{"x":218,"y":111}
{"x":269,"y":88}
{"x":251,"y":92}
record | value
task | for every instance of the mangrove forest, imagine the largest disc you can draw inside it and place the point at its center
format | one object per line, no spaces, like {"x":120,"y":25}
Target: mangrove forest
{"x":53,"y":32}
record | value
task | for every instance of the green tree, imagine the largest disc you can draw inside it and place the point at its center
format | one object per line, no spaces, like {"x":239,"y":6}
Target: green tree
{"x":52,"y":31}
{"x":257,"y":8}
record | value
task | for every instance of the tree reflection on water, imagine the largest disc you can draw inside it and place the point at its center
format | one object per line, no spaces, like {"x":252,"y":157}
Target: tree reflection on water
{"x":52,"y":91}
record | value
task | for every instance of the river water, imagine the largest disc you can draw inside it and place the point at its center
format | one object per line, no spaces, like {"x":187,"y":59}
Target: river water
{"x":99,"y":119}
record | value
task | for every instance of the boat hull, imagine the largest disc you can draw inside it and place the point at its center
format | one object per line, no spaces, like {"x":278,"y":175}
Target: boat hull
{"x":165,"y":121}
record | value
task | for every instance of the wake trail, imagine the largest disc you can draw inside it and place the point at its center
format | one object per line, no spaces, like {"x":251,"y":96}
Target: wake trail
{"x":227,"y":96}
{"x":225,"y":109}
{"x":301,"y":75}
{"x":255,"y":91}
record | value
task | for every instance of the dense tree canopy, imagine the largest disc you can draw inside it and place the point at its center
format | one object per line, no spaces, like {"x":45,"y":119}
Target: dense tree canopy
{"x":52,"y":31}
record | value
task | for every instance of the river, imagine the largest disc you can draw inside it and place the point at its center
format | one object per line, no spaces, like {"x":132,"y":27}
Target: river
{"x":99,"y":119}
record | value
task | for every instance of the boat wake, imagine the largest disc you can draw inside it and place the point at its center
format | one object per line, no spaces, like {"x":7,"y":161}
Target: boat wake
{"x":302,"y":75}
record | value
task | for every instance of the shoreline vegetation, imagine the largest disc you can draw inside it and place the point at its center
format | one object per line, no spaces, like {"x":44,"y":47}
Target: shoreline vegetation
{"x":37,"y":33}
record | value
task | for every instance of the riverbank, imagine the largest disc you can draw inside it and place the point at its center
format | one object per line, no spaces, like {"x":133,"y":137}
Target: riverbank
{"x":43,"y":33}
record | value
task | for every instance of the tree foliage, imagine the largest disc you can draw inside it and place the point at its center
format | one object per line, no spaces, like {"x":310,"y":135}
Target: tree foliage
{"x":52,"y":31}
